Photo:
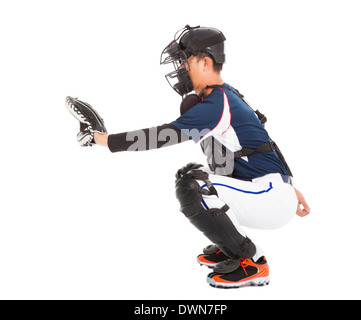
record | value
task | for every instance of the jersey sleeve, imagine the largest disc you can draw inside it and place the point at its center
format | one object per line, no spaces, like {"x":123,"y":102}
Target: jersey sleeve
{"x":202,"y":118}
{"x":146,"y":139}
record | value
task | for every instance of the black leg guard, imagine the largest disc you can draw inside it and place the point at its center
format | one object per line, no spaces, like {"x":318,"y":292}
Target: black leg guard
{"x":214,"y":223}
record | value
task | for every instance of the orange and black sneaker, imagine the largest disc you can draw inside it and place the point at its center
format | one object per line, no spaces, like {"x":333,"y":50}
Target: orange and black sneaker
{"x":249,"y":273}
{"x":211,"y":256}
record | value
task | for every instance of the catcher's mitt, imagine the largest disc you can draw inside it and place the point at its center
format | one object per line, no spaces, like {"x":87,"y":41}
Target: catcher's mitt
{"x":89,"y":119}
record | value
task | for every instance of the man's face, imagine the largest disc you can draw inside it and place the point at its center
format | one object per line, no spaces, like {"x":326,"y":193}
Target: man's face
{"x":196,"y":73}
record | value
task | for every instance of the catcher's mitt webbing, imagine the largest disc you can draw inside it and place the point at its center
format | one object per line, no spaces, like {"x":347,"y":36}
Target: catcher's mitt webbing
{"x":89,"y":119}
{"x":85,"y":113}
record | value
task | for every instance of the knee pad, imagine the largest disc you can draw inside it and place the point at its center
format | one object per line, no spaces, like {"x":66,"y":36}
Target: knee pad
{"x":214,"y":223}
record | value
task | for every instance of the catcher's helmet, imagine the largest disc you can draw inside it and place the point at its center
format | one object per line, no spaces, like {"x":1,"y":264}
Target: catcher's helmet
{"x":207,"y":40}
{"x":191,"y":41}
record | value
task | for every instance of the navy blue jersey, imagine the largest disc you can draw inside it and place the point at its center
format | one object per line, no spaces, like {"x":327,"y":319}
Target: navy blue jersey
{"x":228,"y":120}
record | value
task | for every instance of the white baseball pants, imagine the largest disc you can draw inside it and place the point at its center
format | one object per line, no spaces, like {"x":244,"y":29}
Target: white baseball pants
{"x":263,"y":203}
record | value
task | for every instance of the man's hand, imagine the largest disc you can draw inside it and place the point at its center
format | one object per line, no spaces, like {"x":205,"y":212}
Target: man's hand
{"x":101,"y":139}
{"x":303,"y":209}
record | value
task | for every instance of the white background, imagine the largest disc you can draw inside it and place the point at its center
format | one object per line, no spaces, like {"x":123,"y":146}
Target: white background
{"x":83,"y":223}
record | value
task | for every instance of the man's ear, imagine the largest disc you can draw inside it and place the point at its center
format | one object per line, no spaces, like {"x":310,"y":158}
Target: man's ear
{"x":207,"y":63}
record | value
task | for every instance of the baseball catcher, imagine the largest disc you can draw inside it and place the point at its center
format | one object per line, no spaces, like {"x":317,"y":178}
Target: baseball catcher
{"x":247,"y":182}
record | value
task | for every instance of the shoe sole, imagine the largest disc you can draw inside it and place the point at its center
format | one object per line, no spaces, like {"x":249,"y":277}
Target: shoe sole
{"x":209,"y":265}
{"x":259,"y":282}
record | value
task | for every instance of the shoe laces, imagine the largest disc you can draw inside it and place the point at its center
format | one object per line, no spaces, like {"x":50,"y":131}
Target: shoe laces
{"x":244,"y":264}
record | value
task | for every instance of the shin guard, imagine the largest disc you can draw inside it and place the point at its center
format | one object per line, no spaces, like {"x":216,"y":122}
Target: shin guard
{"x":214,"y":223}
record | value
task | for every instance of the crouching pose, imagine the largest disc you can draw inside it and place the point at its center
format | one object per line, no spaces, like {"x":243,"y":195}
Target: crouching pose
{"x":247,"y":182}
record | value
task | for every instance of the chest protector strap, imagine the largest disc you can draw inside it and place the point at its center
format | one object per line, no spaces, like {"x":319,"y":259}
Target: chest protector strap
{"x":266,"y":147}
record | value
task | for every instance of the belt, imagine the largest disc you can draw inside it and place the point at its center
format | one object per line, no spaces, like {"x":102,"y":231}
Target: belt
{"x":287,"y":179}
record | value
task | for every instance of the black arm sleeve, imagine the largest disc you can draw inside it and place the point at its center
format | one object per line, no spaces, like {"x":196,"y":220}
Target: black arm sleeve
{"x":146,"y":139}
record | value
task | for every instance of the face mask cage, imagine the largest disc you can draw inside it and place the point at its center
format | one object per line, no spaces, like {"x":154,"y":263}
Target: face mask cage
{"x":179,"y":78}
